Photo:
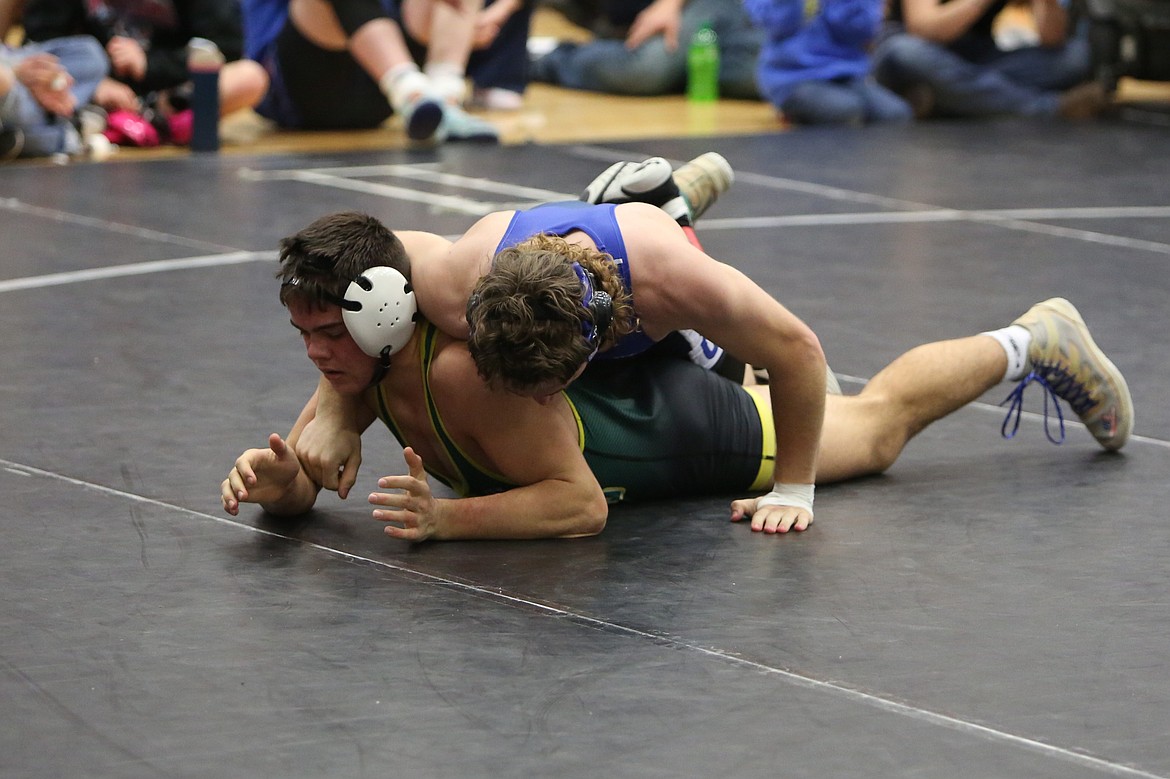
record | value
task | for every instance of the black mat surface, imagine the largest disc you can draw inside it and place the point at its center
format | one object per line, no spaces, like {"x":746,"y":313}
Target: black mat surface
{"x":988,"y":608}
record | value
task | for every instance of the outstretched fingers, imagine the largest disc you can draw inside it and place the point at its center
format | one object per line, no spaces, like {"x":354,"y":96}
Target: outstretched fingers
{"x":411,"y":510}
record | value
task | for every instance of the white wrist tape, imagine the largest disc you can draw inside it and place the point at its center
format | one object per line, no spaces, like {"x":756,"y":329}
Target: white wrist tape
{"x":796,"y":495}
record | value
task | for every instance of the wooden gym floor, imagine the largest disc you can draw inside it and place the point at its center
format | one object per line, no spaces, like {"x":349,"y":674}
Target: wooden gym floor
{"x":554,"y":115}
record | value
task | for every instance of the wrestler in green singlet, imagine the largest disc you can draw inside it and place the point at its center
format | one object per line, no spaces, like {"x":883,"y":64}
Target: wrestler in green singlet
{"x":652,"y":427}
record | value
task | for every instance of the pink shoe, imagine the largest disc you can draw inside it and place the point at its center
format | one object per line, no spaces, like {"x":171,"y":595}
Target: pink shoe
{"x":182,"y":127}
{"x":127,"y":127}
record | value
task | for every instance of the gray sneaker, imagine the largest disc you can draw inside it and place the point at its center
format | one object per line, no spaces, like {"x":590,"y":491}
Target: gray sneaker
{"x":1067,"y":362}
{"x":458,"y":125}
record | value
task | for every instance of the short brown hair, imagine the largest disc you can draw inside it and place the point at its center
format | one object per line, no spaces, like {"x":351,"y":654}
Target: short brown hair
{"x":320,"y":261}
{"x":526,"y":316}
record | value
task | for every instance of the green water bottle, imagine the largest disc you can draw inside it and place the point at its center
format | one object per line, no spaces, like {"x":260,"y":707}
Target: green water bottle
{"x":703,"y":66}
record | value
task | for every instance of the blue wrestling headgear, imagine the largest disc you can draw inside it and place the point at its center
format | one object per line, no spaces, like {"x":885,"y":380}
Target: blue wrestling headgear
{"x":599,"y":304}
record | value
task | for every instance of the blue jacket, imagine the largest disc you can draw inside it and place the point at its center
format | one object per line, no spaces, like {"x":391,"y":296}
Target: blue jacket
{"x":833,"y":44}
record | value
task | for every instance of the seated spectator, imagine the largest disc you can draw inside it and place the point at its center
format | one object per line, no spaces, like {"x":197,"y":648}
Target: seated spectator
{"x":346,"y":64}
{"x":146,"y":44}
{"x":41,"y":88}
{"x":943,"y":57}
{"x":498,"y":62}
{"x":640,"y":48}
{"x":816,"y":69}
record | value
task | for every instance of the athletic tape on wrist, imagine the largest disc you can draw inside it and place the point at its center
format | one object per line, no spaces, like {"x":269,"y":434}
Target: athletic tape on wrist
{"x":796,"y":495}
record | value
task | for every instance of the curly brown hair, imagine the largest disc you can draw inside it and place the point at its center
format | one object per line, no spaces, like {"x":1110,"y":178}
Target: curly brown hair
{"x":526,"y":315}
{"x":320,"y":261}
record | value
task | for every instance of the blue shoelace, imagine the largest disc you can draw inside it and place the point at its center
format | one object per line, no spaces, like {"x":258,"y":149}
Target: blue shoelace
{"x":1016,"y":397}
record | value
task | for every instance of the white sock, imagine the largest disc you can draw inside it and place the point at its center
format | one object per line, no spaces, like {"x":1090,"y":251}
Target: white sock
{"x":449,"y":81}
{"x":402,"y":83}
{"x":1015,"y":340}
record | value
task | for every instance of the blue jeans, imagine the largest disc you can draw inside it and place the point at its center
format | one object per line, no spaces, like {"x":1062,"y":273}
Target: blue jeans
{"x":605,"y":65}
{"x":44,"y":133}
{"x":854,"y":101}
{"x":973,"y":78}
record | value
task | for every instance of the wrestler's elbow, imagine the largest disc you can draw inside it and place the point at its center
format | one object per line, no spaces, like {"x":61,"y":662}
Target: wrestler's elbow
{"x":811,"y":344}
{"x":803,"y":348}
{"x":591,"y":515}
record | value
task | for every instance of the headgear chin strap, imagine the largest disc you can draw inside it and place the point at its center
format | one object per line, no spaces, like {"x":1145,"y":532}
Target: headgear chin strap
{"x":379,"y":311}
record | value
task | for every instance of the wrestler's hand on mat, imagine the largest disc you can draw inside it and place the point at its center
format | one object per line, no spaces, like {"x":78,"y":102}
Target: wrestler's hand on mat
{"x":771,"y":518}
{"x":260,"y":475}
{"x":331,"y":456}
{"x":415,"y":509}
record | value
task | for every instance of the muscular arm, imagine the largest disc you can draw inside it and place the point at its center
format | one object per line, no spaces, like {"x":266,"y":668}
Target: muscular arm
{"x":942,"y":22}
{"x":329,"y":444}
{"x":444,"y":273}
{"x":534,"y":446}
{"x":677,"y":286}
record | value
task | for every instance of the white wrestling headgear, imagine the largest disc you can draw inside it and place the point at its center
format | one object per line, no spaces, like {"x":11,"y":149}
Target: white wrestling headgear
{"x":379,"y":311}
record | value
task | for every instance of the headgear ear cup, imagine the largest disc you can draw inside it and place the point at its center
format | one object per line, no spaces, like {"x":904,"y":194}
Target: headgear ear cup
{"x":601,"y":309}
{"x":379,"y":311}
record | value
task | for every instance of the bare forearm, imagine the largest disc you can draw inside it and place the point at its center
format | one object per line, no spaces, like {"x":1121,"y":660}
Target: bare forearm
{"x":300,"y":496}
{"x":798,"y":410}
{"x":341,"y":412}
{"x":545,"y":510}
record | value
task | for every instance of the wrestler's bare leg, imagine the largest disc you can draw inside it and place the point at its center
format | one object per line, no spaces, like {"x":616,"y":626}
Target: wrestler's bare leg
{"x":865,"y":433}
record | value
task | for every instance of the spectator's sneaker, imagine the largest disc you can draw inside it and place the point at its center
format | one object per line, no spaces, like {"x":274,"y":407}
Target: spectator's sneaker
{"x":703,"y":180}
{"x":422,"y":116}
{"x":11,"y":143}
{"x":458,"y":125}
{"x":1069,"y":365}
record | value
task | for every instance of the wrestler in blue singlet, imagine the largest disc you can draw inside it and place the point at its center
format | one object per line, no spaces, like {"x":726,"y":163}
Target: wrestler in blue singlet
{"x":600,"y":224}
